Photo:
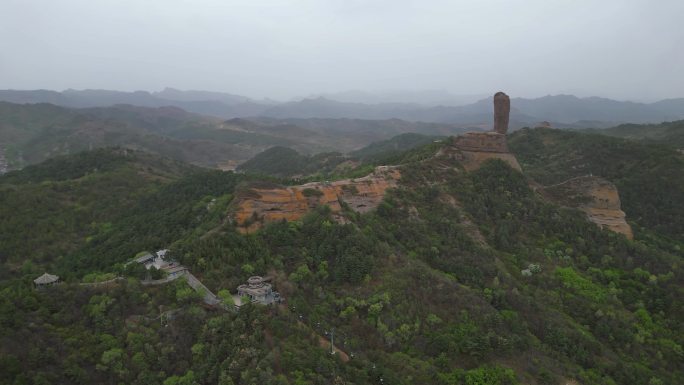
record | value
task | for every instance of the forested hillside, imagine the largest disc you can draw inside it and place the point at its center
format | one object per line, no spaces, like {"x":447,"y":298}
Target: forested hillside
{"x":50,"y":210}
{"x":668,"y":133}
{"x":456,"y":278}
{"x":649,"y":176}
{"x":286,"y":162}
{"x":384,"y":149}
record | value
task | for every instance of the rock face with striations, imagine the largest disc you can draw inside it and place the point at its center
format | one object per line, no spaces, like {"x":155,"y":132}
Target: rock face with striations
{"x":256,"y":206}
{"x":597,"y":197}
{"x":477,"y":147}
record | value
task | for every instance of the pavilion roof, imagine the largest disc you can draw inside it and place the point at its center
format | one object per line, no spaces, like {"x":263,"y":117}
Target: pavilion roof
{"x":46,"y":279}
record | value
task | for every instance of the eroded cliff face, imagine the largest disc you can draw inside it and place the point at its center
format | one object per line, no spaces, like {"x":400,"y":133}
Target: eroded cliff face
{"x":597,"y":197}
{"x":257,"y":206}
{"x":474,"y":148}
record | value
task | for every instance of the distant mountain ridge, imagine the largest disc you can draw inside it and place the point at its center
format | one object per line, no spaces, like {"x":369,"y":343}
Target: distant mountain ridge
{"x":31,"y":133}
{"x":667,"y":133}
{"x":561,"y":110}
{"x":418,"y":97}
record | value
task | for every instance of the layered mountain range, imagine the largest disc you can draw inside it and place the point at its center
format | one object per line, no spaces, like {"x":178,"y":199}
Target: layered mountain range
{"x":30,"y":133}
{"x":560,"y":110}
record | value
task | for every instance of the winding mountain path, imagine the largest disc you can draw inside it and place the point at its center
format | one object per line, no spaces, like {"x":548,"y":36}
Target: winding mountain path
{"x":102,"y":283}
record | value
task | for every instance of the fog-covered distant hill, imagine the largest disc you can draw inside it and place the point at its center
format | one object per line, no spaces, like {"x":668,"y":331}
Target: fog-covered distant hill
{"x":31,"y":133}
{"x":560,"y":110}
{"x":422,"y":97}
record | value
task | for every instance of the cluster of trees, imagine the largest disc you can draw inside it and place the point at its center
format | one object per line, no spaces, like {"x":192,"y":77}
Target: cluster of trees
{"x":285,"y":162}
{"x":53,"y":209}
{"x":648,"y":175}
{"x":666,"y":133}
{"x":429,"y":288}
{"x":191,"y":205}
{"x":384,"y":151}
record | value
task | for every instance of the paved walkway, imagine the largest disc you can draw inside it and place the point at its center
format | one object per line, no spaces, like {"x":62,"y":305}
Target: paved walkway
{"x":207,"y":296}
{"x":102,"y":283}
{"x":179,"y":271}
{"x":165,"y":280}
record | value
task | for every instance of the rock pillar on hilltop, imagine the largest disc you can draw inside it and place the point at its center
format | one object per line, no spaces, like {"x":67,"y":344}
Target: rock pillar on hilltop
{"x":502,"y":107}
{"x":474,"y":148}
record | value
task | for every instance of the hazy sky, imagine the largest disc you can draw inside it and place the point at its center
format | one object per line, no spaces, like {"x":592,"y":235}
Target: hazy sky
{"x":625,"y":49}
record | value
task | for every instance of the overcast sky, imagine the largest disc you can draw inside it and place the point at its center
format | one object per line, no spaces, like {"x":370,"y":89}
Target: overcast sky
{"x":624,"y":49}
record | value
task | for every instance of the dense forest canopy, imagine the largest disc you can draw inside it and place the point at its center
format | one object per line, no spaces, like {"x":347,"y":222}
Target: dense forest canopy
{"x":648,"y":175}
{"x":456,"y":278}
{"x":667,"y":133}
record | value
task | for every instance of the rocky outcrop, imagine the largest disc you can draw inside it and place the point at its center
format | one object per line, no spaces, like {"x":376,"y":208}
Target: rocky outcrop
{"x":597,"y":197}
{"x":481,"y":142}
{"x":473,"y":160}
{"x":502,"y":108}
{"x":258,"y":205}
{"x":473,"y":148}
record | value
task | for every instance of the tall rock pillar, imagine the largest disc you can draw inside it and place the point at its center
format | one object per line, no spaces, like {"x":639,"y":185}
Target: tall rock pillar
{"x":502,"y":107}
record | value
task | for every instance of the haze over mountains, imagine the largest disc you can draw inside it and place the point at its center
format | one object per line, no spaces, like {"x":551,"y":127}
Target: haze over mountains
{"x":342,"y":192}
{"x":31,"y":133}
{"x":435,"y":107}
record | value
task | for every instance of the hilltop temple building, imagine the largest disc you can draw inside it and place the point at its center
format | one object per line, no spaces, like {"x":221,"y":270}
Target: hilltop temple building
{"x":258,"y":291}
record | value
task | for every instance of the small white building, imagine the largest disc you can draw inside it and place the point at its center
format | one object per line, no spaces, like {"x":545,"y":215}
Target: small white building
{"x":157,"y":260}
{"x":160,"y":261}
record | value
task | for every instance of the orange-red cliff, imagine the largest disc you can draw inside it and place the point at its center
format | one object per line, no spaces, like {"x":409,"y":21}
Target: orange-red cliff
{"x":597,"y":197}
{"x":256,"y":206}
